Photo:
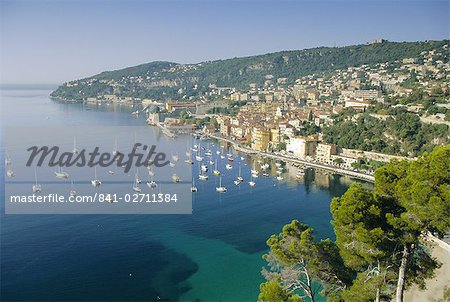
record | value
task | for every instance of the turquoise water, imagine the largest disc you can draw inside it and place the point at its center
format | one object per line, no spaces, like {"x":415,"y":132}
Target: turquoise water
{"x":212,"y":255}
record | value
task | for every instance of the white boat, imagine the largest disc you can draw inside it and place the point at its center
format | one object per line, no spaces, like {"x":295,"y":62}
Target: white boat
{"x":72,"y":192}
{"x":216,"y":172}
{"x":279,"y":177}
{"x":204,"y":168}
{"x":138,"y":180}
{"x":240,"y":178}
{"x":188,"y":161}
{"x":203,"y":176}
{"x":7,"y":159}
{"x":265,"y":174}
{"x":229,"y":167}
{"x":61,"y":174}
{"x":218,"y":152}
{"x":198,"y":158}
{"x":172,"y":164}
{"x":95,"y":182}
{"x":10,"y":173}
{"x":211,"y":162}
{"x":136,"y":187}
{"x":36,"y":187}
{"x":111,"y":172}
{"x":242,"y":158}
{"x":237,"y":182}
{"x":152,"y":184}
{"x":220,"y":188}
{"x":222,"y":157}
{"x":74,"y":149}
{"x":208,"y":152}
{"x":175,"y":157}
{"x":115,"y":148}
{"x":193,"y":188}
{"x":252,"y":183}
{"x":175,"y":178}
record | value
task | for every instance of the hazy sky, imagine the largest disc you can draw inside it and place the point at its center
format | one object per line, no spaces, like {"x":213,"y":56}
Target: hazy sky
{"x":57,"y":41}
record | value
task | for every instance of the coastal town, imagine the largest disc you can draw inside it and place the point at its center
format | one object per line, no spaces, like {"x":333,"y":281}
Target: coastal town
{"x":288,"y":119}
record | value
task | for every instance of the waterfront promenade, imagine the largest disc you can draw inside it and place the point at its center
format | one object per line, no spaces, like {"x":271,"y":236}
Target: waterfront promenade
{"x":338,"y":170}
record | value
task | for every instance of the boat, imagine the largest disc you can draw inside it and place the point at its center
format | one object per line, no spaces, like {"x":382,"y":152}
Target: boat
{"x":188,"y":161}
{"x":198,"y":158}
{"x":10,"y":173}
{"x":265,"y":174}
{"x":115,"y":148}
{"x":175,"y":178}
{"x":203,"y":175}
{"x":216,"y":172}
{"x":36,"y":187}
{"x":222,"y":157}
{"x":111,"y":172}
{"x":136,"y":187}
{"x":279,"y":177}
{"x":7,"y":159}
{"x":74,"y":149}
{"x":175,"y":157}
{"x":61,"y":174}
{"x":220,"y":188}
{"x":237,"y":182}
{"x":204,"y":168}
{"x":208,"y":153}
{"x":138,"y":180}
{"x":242,"y":158}
{"x":230,"y":159}
{"x":211,"y":162}
{"x":252,"y":183}
{"x":193,"y":188}
{"x":240,"y":178}
{"x":72,"y":192}
{"x":152,"y":184}
{"x":229,"y":167}
{"x":172,"y":164}
{"x":218,"y":152}
{"x":95,"y":182}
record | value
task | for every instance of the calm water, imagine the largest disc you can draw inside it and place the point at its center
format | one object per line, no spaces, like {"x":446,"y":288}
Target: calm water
{"x":212,"y":255}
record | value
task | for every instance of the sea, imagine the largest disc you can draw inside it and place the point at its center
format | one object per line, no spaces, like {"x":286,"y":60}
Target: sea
{"x":213,"y":254}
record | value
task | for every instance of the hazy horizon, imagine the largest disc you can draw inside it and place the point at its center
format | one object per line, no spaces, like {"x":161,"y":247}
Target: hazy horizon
{"x":49,"y":42}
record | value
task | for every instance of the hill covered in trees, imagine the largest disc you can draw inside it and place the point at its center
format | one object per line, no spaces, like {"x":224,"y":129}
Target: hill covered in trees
{"x":166,"y":80}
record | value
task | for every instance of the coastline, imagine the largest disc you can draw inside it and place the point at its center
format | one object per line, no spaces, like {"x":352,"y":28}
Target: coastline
{"x":240,"y":148}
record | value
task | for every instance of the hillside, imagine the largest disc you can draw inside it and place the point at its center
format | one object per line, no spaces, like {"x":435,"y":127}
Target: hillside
{"x":166,"y":80}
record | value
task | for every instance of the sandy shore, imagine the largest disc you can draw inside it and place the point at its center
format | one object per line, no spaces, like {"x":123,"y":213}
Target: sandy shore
{"x":436,"y":285}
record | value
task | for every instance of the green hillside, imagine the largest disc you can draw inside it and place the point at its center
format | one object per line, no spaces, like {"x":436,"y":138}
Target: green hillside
{"x":162,"y":80}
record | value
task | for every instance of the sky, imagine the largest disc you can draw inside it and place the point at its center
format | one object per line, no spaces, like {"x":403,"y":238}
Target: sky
{"x":56,"y":41}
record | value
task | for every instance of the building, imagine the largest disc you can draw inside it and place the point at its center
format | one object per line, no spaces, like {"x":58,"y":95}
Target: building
{"x":359,"y":105}
{"x":301,"y":147}
{"x":172,"y":106}
{"x":324,"y":152}
{"x":260,"y":138}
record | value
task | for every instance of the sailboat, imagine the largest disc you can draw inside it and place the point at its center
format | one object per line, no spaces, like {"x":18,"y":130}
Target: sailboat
{"x":229,"y":167}
{"x":175,"y":178}
{"x":220,"y":188}
{"x":95,"y":182}
{"x":61,"y":174}
{"x":252,"y":183}
{"x":193,"y":188}
{"x":75,"y":150}
{"x":7,"y":159}
{"x":175,"y":157}
{"x":152,"y":184}
{"x":72,"y":190}
{"x":216,"y":172}
{"x":136,"y":187}
{"x":204,"y":168}
{"x":138,"y":180}
{"x":36,"y":187}
{"x":240,"y":178}
{"x":115,"y":148}
{"x":9,"y":171}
